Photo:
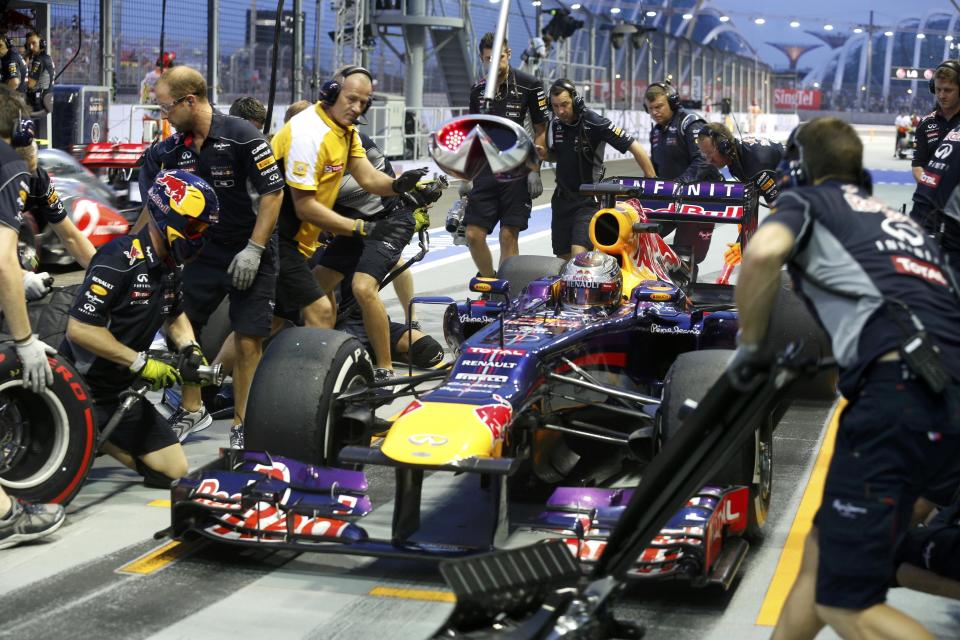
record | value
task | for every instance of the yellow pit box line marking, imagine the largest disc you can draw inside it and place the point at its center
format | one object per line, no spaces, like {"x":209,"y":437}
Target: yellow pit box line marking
{"x":789,"y":565}
{"x":160,"y":502}
{"x":159,"y":558}
{"x":433,"y":595}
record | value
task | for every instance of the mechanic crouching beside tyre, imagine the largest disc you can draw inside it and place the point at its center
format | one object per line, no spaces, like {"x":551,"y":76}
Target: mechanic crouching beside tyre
{"x":878,"y":286}
{"x":19,"y":522}
{"x":132,"y":288}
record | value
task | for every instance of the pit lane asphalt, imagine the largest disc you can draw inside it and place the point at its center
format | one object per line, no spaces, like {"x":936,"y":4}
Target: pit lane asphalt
{"x":72,"y":585}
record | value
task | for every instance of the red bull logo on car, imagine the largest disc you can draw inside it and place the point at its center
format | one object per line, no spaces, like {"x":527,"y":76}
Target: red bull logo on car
{"x":496,"y":417}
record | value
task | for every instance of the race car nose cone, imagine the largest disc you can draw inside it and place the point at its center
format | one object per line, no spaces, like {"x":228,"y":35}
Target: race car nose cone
{"x":466,"y":146}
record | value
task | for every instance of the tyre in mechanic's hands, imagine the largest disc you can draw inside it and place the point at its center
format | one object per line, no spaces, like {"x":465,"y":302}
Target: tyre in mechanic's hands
{"x":33,"y":354}
{"x":245,"y":265}
{"x":190,"y":360}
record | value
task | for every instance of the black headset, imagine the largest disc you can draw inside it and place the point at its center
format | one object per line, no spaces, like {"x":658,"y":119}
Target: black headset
{"x":565,"y":85}
{"x":43,"y":42}
{"x":797,"y":172}
{"x":330,"y":90}
{"x":723,"y":144}
{"x":673,"y":97}
{"x":946,"y":64}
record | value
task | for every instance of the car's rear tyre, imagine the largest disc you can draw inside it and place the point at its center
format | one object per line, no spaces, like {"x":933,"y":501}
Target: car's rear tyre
{"x":522,"y":270}
{"x":47,"y":441}
{"x":792,"y":321}
{"x":290,"y":409}
{"x":216,"y":330}
{"x":49,"y":315}
{"x":690,"y":377}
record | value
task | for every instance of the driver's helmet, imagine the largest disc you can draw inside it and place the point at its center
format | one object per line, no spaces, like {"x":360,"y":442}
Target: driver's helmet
{"x":591,"y":280}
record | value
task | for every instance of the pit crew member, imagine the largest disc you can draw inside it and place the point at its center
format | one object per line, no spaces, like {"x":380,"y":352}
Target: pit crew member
{"x":936,"y":200}
{"x":251,"y":110}
{"x":425,"y":353}
{"x":239,"y":259}
{"x":876,"y":283}
{"x":19,"y":522}
{"x":575,"y":140}
{"x":13,"y":71}
{"x":676,"y":156}
{"x":131,"y":289}
{"x":932,"y":128}
{"x":506,"y":203}
{"x":44,"y":204}
{"x":367,"y":260}
{"x":316,"y":147}
{"x":40,"y":74}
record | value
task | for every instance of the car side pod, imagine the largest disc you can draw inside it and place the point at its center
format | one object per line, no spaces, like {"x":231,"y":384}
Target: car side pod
{"x":465,"y":146}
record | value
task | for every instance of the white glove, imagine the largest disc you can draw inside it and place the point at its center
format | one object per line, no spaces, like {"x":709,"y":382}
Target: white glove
{"x":245,"y":265}
{"x":34,"y":286}
{"x":534,"y":184}
{"x":466,"y":186}
{"x":36,"y":370}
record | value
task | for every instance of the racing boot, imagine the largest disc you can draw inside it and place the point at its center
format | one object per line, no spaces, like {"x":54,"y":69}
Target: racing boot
{"x":27,"y":521}
{"x":236,"y":436}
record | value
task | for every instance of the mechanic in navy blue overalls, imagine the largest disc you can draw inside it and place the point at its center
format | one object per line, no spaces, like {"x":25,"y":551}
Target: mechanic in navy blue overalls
{"x":931,"y":129}
{"x":491,"y":202}
{"x":673,"y":148}
{"x":877,"y":285}
{"x":132,"y":289}
{"x":936,"y":201}
{"x":576,"y":139}
{"x":19,"y":521}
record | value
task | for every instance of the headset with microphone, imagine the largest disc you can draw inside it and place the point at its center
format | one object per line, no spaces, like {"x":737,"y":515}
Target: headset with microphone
{"x":565,"y":85}
{"x":673,"y":97}
{"x":330,"y":90}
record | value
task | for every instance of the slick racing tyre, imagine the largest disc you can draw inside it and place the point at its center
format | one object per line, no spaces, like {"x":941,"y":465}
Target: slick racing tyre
{"x":290,"y":411}
{"x":49,"y":315}
{"x":792,"y":321}
{"x":47,"y":441}
{"x":522,"y":270}
{"x":690,"y":377}
{"x":216,"y":330}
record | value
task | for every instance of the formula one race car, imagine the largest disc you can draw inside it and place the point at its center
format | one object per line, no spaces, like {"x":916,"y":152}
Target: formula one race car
{"x":93,"y":206}
{"x":545,"y":397}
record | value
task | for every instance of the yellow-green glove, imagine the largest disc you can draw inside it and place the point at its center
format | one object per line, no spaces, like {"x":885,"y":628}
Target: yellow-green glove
{"x":159,"y":374}
{"x":422,"y":217}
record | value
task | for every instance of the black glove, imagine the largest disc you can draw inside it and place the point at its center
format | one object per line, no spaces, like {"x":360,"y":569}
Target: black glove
{"x":409,"y":179}
{"x":363,"y":228}
{"x":190,"y":360}
{"x":746,"y":365}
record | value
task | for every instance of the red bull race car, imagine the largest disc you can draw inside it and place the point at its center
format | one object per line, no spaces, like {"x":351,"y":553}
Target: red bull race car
{"x":543,"y":400}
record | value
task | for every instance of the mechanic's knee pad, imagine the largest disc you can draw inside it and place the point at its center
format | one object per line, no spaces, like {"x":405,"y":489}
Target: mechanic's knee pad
{"x":426,"y":353}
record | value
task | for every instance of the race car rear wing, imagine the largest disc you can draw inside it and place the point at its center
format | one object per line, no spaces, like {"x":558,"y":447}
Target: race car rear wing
{"x":110,"y":155}
{"x":670,"y":201}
